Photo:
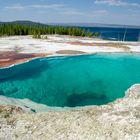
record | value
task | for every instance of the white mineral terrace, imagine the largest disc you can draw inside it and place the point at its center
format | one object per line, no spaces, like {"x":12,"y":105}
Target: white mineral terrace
{"x":54,"y":43}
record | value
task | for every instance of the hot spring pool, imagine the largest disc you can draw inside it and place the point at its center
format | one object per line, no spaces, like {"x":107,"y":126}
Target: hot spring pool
{"x":72,"y":81}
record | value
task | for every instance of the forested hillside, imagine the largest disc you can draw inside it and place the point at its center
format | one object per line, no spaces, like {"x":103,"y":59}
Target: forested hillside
{"x":15,"y":28}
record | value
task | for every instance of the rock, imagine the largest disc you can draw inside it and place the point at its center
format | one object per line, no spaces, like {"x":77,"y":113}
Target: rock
{"x":133,"y":92}
{"x":119,"y":120}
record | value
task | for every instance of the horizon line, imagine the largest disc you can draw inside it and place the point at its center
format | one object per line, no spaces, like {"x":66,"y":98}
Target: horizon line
{"x":111,"y":24}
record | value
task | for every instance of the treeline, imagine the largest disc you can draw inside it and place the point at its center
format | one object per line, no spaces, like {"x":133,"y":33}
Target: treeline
{"x":37,"y":31}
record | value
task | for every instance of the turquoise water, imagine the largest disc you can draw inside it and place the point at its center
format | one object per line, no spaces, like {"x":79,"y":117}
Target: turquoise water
{"x":72,"y":81}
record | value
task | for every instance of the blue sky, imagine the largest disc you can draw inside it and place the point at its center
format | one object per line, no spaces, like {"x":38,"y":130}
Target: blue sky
{"x":77,"y":11}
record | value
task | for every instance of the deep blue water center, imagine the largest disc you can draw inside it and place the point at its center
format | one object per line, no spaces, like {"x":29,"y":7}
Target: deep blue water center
{"x":72,"y":81}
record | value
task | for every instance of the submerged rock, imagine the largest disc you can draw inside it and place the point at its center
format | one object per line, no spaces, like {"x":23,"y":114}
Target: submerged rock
{"x":119,"y":120}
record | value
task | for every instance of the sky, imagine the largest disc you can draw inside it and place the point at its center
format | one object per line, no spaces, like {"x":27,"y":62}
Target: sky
{"x":126,"y":12}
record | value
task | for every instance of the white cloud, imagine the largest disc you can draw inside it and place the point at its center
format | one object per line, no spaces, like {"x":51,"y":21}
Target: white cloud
{"x":16,"y":7}
{"x":74,"y":12}
{"x":54,"y":6}
{"x":116,"y":3}
{"x":61,"y":10}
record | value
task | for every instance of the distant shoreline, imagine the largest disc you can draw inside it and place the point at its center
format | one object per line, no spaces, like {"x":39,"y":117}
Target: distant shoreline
{"x":95,"y":25}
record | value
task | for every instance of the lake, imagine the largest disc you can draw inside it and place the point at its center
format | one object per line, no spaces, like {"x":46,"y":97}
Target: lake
{"x":116,"y":33}
{"x":72,"y":80}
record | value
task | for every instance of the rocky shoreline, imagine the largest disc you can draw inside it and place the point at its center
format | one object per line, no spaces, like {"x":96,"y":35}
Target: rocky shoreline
{"x":118,"y":120}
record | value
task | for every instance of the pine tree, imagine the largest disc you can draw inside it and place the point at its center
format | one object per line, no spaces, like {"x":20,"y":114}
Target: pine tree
{"x":89,"y":34}
{"x":38,"y":30}
{"x":97,"y":34}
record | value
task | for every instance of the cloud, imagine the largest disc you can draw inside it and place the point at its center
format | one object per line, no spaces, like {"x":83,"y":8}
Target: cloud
{"x":74,"y":12}
{"x":116,"y":3}
{"x":16,"y":7}
{"x":54,"y":6}
{"x":60,"y":8}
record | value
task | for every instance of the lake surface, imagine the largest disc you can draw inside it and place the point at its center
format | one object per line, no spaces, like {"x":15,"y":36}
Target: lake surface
{"x":116,"y":33}
{"x":72,"y":81}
